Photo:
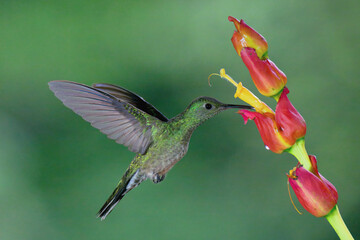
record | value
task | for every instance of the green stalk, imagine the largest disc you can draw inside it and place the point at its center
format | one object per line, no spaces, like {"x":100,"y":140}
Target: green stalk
{"x":299,"y":151}
{"x":277,"y":96}
{"x":336,"y":221}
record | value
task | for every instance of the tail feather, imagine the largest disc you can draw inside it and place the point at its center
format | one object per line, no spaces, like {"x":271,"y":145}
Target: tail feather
{"x":124,"y":186}
{"x":115,"y":197}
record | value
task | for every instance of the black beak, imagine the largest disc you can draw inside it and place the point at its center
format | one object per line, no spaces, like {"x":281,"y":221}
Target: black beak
{"x":227,"y":106}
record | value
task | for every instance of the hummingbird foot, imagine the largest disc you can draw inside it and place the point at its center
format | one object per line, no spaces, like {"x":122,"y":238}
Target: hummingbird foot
{"x":158,"y":178}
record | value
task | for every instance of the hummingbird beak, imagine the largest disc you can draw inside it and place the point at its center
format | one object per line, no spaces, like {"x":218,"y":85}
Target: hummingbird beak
{"x":227,"y":106}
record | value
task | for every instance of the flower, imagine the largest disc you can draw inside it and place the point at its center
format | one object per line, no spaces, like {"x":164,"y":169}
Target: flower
{"x":281,"y":130}
{"x":314,"y":192}
{"x":245,"y":36}
{"x":268,"y":78}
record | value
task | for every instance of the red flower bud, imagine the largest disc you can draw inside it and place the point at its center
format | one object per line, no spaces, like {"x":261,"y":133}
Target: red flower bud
{"x":316,"y":194}
{"x":245,"y":36}
{"x":268,"y":78}
{"x":289,"y":120}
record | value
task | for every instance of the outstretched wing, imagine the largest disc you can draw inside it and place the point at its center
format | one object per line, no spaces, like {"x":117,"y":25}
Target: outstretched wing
{"x":117,"y":119}
{"x":132,"y":98}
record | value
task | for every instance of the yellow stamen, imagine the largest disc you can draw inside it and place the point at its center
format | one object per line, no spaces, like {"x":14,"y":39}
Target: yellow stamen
{"x":292,"y":173}
{"x":213,"y":74}
{"x":291,"y":198}
{"x":245,"y":94}
{"x":227,"y":77}
{"x":223,"y":75}
{"x":293,"y":176}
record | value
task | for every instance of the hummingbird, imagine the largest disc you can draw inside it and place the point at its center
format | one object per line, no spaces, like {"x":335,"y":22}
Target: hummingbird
{"x":159,"y":142}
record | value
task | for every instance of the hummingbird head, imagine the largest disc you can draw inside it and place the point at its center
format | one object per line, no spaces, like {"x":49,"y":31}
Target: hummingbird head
{"x":203,"y":108}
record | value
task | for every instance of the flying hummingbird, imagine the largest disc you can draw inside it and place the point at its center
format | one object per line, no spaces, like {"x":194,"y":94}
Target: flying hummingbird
{"x":127,"y":118}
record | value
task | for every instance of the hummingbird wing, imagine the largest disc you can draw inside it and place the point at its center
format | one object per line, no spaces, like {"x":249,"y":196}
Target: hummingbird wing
{"x":117,"y":119}
{"x":132,"y":98}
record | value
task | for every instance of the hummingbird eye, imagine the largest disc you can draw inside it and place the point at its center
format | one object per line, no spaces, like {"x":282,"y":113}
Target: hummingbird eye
{"x":208,"y":106}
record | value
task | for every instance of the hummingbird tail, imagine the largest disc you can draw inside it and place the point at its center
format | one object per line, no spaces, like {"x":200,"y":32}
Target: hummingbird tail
{"x":124,"y":186}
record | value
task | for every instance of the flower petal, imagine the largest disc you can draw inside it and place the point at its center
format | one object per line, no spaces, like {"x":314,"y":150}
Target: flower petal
{"x":292,"y":124}
{"x":236,"y":39}
{"x":316,"y":172}
{"x":268,"y":130}
{"x":248,"y":37}
{"x":268,"y":79}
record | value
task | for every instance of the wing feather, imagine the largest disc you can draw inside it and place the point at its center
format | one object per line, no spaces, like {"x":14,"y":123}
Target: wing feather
{"x":131,"y":98}
{"x":118,"y":119}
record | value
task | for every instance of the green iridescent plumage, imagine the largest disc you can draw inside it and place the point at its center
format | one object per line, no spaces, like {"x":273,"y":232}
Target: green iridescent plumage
{"x":159,"y":143}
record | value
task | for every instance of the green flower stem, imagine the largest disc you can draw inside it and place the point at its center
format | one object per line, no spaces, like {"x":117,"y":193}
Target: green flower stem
{"x":277,"y":96}
{"x":299,"y":151}
{"x":336,"y":221}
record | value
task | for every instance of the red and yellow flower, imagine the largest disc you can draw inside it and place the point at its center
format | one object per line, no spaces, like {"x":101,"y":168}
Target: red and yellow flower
{"x":314,"y":192}
{"x":280,"y":130}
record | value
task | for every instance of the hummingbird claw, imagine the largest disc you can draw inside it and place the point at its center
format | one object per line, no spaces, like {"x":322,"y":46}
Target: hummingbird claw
{"x":158,"y":178}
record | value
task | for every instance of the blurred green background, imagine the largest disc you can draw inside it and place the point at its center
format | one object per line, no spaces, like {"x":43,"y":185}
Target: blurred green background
{"x":56,"y":171}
